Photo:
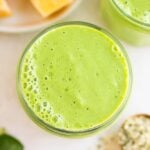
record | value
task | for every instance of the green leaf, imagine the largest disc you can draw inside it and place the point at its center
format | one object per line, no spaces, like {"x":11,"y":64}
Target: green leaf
{"x":8,"y":142}
{"x":2,"y":131}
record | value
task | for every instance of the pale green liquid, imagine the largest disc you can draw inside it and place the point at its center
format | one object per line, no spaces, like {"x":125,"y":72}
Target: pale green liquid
{"x":128,"y":19}
{"x":74,"y":77}
{"x":137,"y":9}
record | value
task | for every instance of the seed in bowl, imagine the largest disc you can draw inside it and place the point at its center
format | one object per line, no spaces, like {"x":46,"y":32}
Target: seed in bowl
{"x":135,"y":133}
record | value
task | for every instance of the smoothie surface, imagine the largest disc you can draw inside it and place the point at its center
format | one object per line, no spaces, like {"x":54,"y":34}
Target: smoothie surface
{"x":74,"y":77}
{"x":137,"y":9}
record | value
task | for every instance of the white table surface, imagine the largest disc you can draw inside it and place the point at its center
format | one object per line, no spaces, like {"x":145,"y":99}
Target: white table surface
{"x":15,"y":120}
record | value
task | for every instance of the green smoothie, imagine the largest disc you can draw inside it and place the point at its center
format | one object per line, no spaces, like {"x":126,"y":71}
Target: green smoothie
{"x":128,"y":19}
{"x":137,"y":9}
{"x":74,"y":77}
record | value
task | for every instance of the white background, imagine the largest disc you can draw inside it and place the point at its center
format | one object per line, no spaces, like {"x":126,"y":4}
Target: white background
{"x":15,"y":120}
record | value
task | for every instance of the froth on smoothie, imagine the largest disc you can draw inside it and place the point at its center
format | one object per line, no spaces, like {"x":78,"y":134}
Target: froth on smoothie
{"x":136,"y":9}
{"x":74,"y":77}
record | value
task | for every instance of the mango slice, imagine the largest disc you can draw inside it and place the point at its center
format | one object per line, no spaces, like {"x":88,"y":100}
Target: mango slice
{"x":4,"y":9}
{"x":48,"y":7}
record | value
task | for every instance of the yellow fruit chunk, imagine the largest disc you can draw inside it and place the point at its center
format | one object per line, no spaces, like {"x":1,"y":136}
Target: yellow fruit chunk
{"x":4,"y":9}
{"x":48,"y":7}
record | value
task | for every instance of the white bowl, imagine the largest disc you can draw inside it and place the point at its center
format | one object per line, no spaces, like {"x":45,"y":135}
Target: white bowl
{"x":25,"y":18}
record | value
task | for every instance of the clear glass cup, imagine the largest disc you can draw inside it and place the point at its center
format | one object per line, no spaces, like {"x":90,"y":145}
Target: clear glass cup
{"x":53,"y":129}
{"x":124,"y":26}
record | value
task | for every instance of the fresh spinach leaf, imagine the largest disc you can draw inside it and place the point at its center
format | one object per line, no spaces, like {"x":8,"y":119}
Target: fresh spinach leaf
{"x":8,"y":142}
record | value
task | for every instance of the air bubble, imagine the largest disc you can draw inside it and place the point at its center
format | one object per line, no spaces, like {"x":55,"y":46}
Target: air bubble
{"x":49,"y":111}
{"x":46,"y":116}
{"x":30,"y":73}
{"x":27,"y":94}
{"x":135,"y":9}
{"x":81,"y":55}
{"x":43,"y":116}
{"x":55,"y":119}
{"x":69,"y":79}
{"x":66,"y":89}
{"x":120,"y":54}
{"x":26,"y":68}
{"x":51,"y":66}
{"x":35,"y":56}
{"x":30,"y":88}
{"x":31,"y":67}
{"x":114,"y":48}
{"x":97,"y":74}
{"x":25,"y":85}
{"x":35,"y":79}
{"x":35,"y":91}
{"x":59,"y":116}
{"x":126,"y":2}
{"x":46,"y":78}
{"x":25,"y":75}
{"x":45,"y":104}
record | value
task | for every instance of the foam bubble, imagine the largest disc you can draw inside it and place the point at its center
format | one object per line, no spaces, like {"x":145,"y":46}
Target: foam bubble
{"x":69,"y":79}
{"x":25,"y":85}
{"x":66,"y":89}
{"x":46,"y":78}
{"x":114,"y":48}
{"x":97,"y":74}
{"x":25,"y":75}
{"x":26,"y":68}
{"x":45,"y":104}
{"x":30,"y":88}
{"x":54,"y":119}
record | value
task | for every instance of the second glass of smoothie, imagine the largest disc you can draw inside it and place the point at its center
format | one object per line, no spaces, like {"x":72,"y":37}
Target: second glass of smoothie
{"x":74,"y":79}
{"x":128,"y":19}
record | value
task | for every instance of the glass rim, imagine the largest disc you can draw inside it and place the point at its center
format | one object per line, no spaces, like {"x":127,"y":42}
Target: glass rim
{"x":103,"y":124}
{"x":147,"y":25}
